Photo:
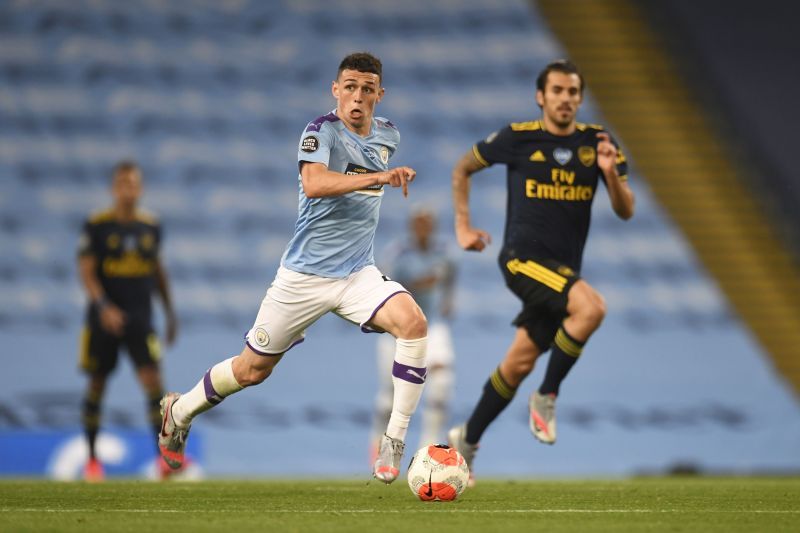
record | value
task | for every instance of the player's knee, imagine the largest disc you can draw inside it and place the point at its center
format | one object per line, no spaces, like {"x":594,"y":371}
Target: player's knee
{"x":414,"y":327}
{"x":596,"y":310}
{"x":519,"y":370}
{"x":253,"y":376}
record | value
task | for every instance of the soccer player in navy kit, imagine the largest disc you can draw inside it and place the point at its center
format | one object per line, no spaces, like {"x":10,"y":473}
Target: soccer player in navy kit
{"x":553,"y":168}
{"x":120,"y":267}
{"x":328,"y":266}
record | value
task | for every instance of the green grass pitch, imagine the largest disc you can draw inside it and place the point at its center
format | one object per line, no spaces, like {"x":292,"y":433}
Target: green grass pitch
{"x":650,"y":504}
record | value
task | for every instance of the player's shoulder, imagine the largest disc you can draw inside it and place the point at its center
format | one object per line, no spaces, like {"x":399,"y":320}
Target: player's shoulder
{"x":589,"y":128}
{"x":385,"y":123}
{"x":318,"y":123}
{"x":529,"y":125}
{"x":386,"y":128}
{"x":145,"y":216}
{"x":100,"y":216}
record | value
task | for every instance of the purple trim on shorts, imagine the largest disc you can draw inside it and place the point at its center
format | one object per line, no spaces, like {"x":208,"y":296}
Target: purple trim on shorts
{"x":266,"y":354}
{"x":364,"y":328}
{"x":212,"y":396}
{"x":412,"y":374}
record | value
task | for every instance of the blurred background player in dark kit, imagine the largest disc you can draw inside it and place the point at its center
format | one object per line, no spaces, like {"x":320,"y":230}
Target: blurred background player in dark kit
{"x":120,"y":267}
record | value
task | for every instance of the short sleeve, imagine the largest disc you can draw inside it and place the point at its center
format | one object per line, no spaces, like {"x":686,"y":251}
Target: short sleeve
{"x":316,"y":145}
{"x":86,"y":241}
{"x":496,"y":148}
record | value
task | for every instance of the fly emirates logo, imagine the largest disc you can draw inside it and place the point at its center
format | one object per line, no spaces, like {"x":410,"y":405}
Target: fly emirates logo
{"x":561,"y":188}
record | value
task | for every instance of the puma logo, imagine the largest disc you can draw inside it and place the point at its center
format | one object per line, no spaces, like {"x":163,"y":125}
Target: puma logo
{"x":416,"y":375}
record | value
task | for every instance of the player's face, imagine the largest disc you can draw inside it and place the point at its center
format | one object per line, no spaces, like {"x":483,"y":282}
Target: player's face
{"x":561,"y":98}
{"x":422,"y":225}
{"x":127,"y":188}
{"x":356,"y":94}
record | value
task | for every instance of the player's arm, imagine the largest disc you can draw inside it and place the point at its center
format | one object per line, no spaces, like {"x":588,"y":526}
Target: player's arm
{"x":469,"y":238}
{"x":111,"y":317}
{"x":319,"y":182}
{"x":619,"y":192}
{"x":162,"y":285}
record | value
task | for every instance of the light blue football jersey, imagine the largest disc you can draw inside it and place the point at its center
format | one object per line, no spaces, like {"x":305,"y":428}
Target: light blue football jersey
{"x":334,"y":236}
{"x":406,"y":264}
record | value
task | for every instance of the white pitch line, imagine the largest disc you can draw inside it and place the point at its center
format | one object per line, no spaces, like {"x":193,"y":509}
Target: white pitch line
{"x":397,"y":511}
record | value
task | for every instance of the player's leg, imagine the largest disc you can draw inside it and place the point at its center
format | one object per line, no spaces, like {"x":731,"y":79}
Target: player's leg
{"x":98,"y":357}
{"x":384,"y":352}
{"x":219,"y":382}
{"x":497,"y":394}
{"x":438,"y":385}
{"x":380,"y":304}
{"x":292,"y":303}
{"x":586,"y":310}
{"x":145,"y":352}
{"x":403,"y":318}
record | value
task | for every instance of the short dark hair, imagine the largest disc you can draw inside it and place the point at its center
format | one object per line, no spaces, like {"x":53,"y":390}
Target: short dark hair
{"x":564,"y":66}
{"x":362,"y":62}
{"x":126,"y":165}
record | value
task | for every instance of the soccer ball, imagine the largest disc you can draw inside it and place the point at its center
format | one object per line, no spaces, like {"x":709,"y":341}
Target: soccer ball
{"x":438,"y":473}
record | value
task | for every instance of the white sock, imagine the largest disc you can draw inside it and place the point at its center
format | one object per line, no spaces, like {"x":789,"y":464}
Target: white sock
{"x":217,"y":384}
{"x":408,"y":376}
{"x":385,"y":350}
{"x":438,"y":392}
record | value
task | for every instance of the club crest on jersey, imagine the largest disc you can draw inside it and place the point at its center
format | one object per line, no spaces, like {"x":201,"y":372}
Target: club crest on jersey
{"x":261,"y":337}
{"x":562,"y":155}
{"x":384,"y":153}
{"x":310,"y":144}
{"x":586,"y":155}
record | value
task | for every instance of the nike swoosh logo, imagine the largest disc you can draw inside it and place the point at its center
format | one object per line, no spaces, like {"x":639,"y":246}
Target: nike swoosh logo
{"x":429,"y":492}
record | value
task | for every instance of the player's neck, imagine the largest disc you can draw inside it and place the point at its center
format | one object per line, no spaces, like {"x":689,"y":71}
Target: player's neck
{"x":124,"y":213}
{"x":362,"y":131}
{"x":556,"y":129}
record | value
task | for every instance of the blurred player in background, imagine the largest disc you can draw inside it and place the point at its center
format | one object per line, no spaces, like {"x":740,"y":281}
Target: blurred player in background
{"x":120,"y":267}
{"x":553,"y":168}
{"x":328,"y":267}
{"x":423,"y":265}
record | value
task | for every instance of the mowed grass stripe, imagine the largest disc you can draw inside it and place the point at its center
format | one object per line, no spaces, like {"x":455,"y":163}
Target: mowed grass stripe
{"x":710,"y":505}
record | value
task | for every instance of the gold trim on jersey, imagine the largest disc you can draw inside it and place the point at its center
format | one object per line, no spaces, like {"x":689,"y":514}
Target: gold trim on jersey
{"x":581,"y":126}
{"x":478,"y":156}
{"x":109,"y":215}
{"x":531,"y":125}
{"x":539,"y":273}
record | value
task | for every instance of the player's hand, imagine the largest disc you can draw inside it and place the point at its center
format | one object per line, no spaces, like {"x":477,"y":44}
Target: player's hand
{"x":399,"y":177}
{"x":606,"y":153}
{"x":171,"y":332}
{"x":472,"y":239}
{"x":112,"y":319}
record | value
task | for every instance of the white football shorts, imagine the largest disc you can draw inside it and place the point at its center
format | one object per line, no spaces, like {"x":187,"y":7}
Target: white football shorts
{"x":294,"y":301}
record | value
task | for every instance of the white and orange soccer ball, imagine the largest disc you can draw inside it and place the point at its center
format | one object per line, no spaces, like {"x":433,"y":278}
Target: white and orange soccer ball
{"x":438,"y":473}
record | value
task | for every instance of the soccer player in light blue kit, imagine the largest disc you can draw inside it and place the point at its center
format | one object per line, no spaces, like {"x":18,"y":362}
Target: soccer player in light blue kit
{"x":425,"y":266}
{"x":328,"y":266}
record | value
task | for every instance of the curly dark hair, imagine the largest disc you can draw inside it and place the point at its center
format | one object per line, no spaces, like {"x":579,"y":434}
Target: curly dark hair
{"x":564,"y":66}
{"x":362,"y":62}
